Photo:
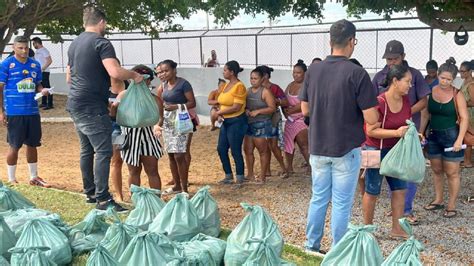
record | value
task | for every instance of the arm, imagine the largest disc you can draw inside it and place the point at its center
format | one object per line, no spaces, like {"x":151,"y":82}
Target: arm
{"x":68,"y":74}
{"x":470,"y":89}
{"x":117,"y":85}
{"x":420,"y":105}
{"x":212,"y":99}
{"x":159,"y":102}
{"x":269,"y":100}
{"x":374,"y":131}
{"x":47,"y":64}
{"x":425,"y":117}
{"x":464,"y":120}
{"x":305,"y":108}
{"x":371,"y":115}
{"x":117,"y":72}
{"x":191,"y":101}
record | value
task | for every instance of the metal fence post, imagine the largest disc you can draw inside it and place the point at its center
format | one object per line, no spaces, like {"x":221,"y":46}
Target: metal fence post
{"x":376,"y":50}
{"x":431,"y":43}
{"x":152,"y":55}
{"x":121,"y":52}
{"x":200,"y":51}
{"x":227,"y":47}
{"x":256,"y":50}
{"x":179,"y":53}
{"x":62,"y":56}
{"x":291,"y":50}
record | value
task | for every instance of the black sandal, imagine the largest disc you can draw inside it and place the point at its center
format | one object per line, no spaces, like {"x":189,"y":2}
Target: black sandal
{"x":433,"y":207}
{"x":446,"y":213}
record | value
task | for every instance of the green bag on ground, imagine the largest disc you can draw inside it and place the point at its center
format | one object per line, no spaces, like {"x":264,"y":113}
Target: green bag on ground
{"x":264,"y":255}
{"x":33,"y":256}
{"x":357,"y":247}
{"x":3,"y":261}
{"x":245,"y":238}
{"x":117,"y":238}
{"x":405,"y":160}
{"x":178,"y":219}
{"x":12,"y":200}
{"x":85,"y":235}
{"x":407,"y":253}
{"x":16,"y":219}
{"x":42,"y":233}
{"x":143,"y":250}
{"x":203,"y":250}
{"x":7,"y":238}
{"x":208,"y":212}
{"x":138,"y":107}
{"x":101,"y":257}
{"x":147,"y":204}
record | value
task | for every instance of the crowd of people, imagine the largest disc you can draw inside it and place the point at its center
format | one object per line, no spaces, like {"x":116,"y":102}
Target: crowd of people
{"x":330,"y":120}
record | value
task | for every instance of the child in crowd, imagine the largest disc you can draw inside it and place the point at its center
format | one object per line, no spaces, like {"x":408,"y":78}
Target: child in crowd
{"x":212,"y":100}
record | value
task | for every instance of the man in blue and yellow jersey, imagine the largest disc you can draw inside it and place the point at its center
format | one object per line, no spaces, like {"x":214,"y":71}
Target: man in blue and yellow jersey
{"x":20,"y":80}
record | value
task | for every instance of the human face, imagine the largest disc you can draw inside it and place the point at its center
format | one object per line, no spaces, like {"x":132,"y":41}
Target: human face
{"x":445,"y":79}
{"x":227,"y":73}
{"x":298,"y":74}
{"x":392,"y":61}
{"x":432,"y":73}
{"x":403,"y":85}
{"x":35,"y":45}
{"x":167,"y":72}
{"x":159,"y":72}
{"x":464,"y":72}
{"x":256,"y":80}
{"x":21,"y":50}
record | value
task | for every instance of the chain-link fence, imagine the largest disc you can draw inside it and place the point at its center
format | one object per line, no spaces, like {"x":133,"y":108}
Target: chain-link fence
{"x":279,"y":47}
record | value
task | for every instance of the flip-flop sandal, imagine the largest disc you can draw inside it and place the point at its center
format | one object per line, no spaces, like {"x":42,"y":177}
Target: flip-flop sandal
{"x":258,"y":181}
{"x":171,"y":191}
{"x":394,"y":237}
{"x":433,"y":207}
{"x":446,"y":213}
{"x":284,"y":175}
{"x":412,"y":219}
{"x":468,"y":200}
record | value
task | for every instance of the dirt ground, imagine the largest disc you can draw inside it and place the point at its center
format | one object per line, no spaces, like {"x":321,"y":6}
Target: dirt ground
{"x":286,"y":200}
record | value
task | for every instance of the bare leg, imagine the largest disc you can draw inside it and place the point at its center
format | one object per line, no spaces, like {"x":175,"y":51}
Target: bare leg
{"x":134,"y":175}
{"x":182,"y":166}
{"x":249,"y":157}
{"x":452,"y":174}
{"x":12,"y":156}
{"x":116,"y":174}
{"x":277,"y":153}
{"x":468,"y":157}
{"x":289,"y":162}
{"x":361,"y":182}
{"x":150,"y":165}
{"x":302,"y":141}
{"x":262,"y":147}
{"x":174,"y":170}
{"x":31,"y":154}
{"x":368,"y":207}
{"x":398,"y":205}
{"x":437,"y":167}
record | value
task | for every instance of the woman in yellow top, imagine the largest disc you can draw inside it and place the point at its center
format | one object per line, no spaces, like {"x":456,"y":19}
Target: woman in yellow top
{"x":232,"y":101}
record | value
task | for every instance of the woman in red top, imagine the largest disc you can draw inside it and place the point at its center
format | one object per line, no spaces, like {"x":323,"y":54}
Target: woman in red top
{"x":394,"y":109}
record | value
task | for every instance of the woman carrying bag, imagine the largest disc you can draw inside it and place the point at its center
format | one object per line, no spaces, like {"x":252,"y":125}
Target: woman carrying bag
{"x":394,"y":109}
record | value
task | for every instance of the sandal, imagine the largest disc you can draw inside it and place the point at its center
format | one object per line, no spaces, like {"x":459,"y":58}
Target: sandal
{"x":258,"y":181}
{"x":447,"y":214}
{"x":398,"y":237}
{"x":433,"y":207}
{"x":171,"y":191}
{"x":412,"y":219}
{"x":468,"y":200}
{"x":284,"y":175}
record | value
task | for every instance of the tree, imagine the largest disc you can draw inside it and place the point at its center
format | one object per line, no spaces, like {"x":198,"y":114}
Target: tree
{"x":57,"y":17}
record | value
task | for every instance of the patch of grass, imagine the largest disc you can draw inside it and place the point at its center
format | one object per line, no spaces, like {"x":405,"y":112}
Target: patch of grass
{"x":72,"y":208}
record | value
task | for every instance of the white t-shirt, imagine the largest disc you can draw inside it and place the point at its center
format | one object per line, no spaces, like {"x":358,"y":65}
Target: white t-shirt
{"x":40,"y":55}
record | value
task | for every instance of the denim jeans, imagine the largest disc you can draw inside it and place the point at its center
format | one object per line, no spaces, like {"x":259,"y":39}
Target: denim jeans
{"x":231,"y":136}
{"x":94,"y":133}
{"x":333,"y":179}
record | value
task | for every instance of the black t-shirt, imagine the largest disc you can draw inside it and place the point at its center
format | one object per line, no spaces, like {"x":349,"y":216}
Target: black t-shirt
{"x":337,"y":91}
{"x":90,"y":81}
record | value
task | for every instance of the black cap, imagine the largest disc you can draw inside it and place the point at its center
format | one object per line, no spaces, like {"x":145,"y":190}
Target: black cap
{"x":393,"y":49}
{"x":341,"y":30}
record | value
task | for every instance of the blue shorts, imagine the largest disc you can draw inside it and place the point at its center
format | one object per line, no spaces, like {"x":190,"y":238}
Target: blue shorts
{"x":24,"y":129}
{"x":116,"y":130}
{"x":261,"y":129}
{"x":373,"y":179}
{"x":438,"y":140}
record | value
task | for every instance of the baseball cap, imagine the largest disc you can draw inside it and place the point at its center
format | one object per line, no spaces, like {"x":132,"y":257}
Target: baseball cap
{"x":393,"y":49}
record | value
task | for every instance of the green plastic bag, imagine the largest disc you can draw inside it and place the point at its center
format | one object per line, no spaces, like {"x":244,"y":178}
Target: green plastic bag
{"x":7,"y":238}
{"x":138,"y":107}
{"x":143,"y":250}
{"x":264,"y":255}
{"x":12,"y":200}
{"x":178,"y":219}
{"x":101,"y":257}
{"x":147,"y":206}
{"x":357,"y":247}
{"x":33,"y":256}
{"x":16,"y":219}
{"x":407,"y":253}
{"x":203,"y":250}
{"x":405,"y":160}
{"x":42,"y":233}
{"x":258,"y":226}
{"x":87,"y":234}
{"x":3,"y":261}
{"x":117,"y":238}
{"x":208,"y":212}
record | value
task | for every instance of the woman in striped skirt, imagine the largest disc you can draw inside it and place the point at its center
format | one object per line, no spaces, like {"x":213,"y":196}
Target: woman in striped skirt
{"x":143,"y":145}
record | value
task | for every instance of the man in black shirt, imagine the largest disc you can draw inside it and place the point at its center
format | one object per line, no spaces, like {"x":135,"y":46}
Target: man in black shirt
{"x":337,"y":107}
{"x":92,"y":62}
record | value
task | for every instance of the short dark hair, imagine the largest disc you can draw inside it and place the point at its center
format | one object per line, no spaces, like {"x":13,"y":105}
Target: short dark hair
{"x":316,"y":59}
{"x":259,"y":71}
{"x":234,"y":66}
{"x":21,"y":39}
{"x":341,"y":32}
{"x":37,"y":40}
{"x":301,"y":65}
{"x":92,"y":16}
{"x":449,"y":66}
{"x":432,"y":64}
{"x":468,"y":65}
{"x":266,"y":70}
{"x":170,"y":63}
{"x":144,"y":70}
{"x":396,"y":71}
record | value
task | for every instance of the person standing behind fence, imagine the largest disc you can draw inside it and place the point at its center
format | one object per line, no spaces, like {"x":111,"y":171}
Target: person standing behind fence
{"x":43,"y":56}
{"x":295,"y":128}
{"x":467,"y":89}
{"x":91,"y":64}
{"x":432,"y":74}
{"x":446,"y":107}
{"x":143,"y":146}
{"x":276,"y":142}
{"x":419,"y":90}
{"x":212,"y":61}
{"x":337,"y":108}
{"x":176,"y":91}
{"x":232,"y":102}
{"x":260,"y":105}
{"x":20,"y":80}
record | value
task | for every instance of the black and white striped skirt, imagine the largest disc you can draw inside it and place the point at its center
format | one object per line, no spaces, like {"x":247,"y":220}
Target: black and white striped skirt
{"x":140,"y":142}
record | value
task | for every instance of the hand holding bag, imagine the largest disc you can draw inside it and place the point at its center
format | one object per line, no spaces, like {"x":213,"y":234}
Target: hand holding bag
{"x":370,"y":159}
{"x":183,"y":123}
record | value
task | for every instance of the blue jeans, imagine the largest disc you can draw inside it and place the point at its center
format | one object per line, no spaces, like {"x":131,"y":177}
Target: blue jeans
{"x":334,"y":179}
{"x":95,"y":137}
{"x":231,"y":136}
